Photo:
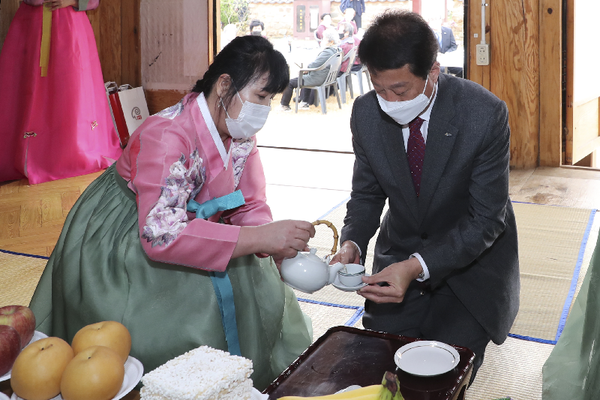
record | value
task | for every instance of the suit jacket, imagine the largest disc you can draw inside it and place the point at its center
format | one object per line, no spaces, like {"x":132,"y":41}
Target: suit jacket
{"x":463,"y":223}
{"x":448,"y":42}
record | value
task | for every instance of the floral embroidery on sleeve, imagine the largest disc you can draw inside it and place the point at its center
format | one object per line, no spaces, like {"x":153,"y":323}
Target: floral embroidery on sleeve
{"x":239,"y":154}
{"x":171,"y":112}
{"x":168,"y":217}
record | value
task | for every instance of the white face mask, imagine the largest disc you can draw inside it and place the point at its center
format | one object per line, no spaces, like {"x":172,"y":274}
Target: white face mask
{"x":251,"y":119}
{"x":405,"y":111}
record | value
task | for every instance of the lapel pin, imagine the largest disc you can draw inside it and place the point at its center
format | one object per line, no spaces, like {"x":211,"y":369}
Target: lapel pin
{"x":448,"y":134}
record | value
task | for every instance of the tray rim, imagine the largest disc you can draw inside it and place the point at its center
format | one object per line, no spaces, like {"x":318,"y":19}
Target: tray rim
{"x":350,"y":329}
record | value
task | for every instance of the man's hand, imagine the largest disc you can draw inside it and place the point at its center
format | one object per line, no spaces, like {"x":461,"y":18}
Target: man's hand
{"x":56,"y":4}
{"x":348,"y":254}
{"x":398,"y":276}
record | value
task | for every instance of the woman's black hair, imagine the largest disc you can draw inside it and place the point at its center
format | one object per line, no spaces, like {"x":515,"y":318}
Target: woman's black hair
{"x":245,"y":59}
{"x":398,"y":38}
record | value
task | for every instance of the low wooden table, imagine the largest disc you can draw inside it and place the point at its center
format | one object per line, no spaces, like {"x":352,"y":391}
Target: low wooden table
{"x":347,"y":356}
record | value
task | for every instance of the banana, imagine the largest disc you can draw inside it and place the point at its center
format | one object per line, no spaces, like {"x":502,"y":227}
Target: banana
{"x":388,"y":390}
{"x":390,"y":387}
{"x":365,"y":393}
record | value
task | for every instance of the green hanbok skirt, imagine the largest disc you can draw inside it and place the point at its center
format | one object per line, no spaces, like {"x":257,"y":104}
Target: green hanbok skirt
{"x":98,"y":271}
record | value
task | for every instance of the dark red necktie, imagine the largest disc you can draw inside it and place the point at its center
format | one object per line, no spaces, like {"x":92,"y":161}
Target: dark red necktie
{"x":415,"y":150}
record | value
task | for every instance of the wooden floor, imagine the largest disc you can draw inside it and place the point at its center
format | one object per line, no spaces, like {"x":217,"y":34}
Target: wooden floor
{"x":31,"y":217}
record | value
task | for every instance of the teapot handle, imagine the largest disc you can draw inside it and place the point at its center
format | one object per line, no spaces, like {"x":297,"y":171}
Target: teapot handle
{"x":335,"y":233}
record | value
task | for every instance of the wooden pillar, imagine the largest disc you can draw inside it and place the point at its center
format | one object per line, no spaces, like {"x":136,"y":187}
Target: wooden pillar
{"x":512,"y":32}
{"x":551,"y":55}
{"x":116,"y":28}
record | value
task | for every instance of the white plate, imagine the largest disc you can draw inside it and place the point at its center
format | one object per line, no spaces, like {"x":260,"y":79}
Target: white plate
{"x":133,"y":373}
{"x":37,"y":335}
{"x":426,"y":358}
{"x":256,"y":395}
{"x":349,"y":389}
{"x":337,"y":284}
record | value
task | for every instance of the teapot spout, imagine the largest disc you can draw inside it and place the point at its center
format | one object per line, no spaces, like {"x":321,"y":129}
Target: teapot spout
{"x":333,"y":270}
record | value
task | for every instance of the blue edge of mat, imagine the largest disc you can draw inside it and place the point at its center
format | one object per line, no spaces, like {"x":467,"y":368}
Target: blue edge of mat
{"x":360,"y":310}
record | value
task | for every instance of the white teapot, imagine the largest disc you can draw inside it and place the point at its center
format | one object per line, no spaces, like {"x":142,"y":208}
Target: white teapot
{"x":307,"y":272}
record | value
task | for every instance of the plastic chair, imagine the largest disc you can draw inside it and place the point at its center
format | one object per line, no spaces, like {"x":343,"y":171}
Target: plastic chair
{"x":345,"y":80}
{"x":359,"y":76}
{"x":333,"y":63}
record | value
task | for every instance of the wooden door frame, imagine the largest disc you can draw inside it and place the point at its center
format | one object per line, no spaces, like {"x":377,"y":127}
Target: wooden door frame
{"x":551,"y":87}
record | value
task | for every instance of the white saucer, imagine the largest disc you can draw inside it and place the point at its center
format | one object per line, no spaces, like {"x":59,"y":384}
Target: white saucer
{"x":426,"y":358}
{"x":133,"y":373}
{"x":338,"y":285}
{"x":37,"y":335}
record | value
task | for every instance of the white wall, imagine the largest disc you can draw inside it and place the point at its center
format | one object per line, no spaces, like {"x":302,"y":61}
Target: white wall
{"x":174,"y":36}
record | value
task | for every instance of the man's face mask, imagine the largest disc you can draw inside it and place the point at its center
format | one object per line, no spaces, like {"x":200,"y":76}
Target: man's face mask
{"x":405,"y":111}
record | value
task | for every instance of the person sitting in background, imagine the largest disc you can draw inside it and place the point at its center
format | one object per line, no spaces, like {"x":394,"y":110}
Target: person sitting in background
{"x":257,"y":28}
{"x":314,"y":78}
{"x":349,"y":41}
{"x":176,"y":241}
{"x":323,"y":26}
{"x":349,"y":15}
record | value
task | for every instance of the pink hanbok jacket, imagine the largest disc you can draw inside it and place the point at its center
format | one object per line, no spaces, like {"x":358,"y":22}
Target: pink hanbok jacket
{"x":82,"y":5}
{"x":172,"y":158}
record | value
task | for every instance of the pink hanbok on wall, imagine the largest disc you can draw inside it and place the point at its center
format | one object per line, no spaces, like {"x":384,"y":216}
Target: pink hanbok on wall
{"x":54,"y":117}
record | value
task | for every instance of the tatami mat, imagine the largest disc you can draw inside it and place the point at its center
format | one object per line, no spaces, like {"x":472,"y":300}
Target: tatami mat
{"x":513,"y":369}
{"x":551,"y":245}
{"x":552,"y":242}
{"x":19,"y":275}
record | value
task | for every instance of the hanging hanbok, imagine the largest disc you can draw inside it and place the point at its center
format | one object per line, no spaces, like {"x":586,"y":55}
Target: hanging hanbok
{"x":55,"y":120}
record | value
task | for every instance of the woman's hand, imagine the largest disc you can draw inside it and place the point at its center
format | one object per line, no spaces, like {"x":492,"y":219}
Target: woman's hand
{"x":56,"y":4}
{"x":348,"y":254}
{"x":398,"y":276}
{"x":280,"y":239}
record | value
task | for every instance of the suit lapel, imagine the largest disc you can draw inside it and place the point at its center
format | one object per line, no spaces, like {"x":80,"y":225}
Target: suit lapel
{"x":392,"y":142}
{"x":441,"y":136}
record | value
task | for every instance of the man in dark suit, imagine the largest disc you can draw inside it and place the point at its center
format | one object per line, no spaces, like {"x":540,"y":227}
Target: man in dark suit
{"x":446,"y":42}
{"x":436,"y":149}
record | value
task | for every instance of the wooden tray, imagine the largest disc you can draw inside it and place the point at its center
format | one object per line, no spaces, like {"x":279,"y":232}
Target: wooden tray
{"x":346,"y":356}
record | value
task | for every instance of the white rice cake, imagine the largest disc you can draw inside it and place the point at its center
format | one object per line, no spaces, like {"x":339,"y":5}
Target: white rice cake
{"x":200,"y":374}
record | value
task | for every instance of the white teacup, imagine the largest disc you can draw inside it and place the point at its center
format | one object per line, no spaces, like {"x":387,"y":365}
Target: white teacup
{"x":351,"y":275}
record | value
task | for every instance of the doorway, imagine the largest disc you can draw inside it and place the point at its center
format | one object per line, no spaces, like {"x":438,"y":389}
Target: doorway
{"x":581,"y":91}
{"x":447,"y":19}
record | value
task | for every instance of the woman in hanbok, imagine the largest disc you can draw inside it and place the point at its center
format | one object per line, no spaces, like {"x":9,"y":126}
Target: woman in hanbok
{"x":176,"y":241}
{"x":55,"y":120}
